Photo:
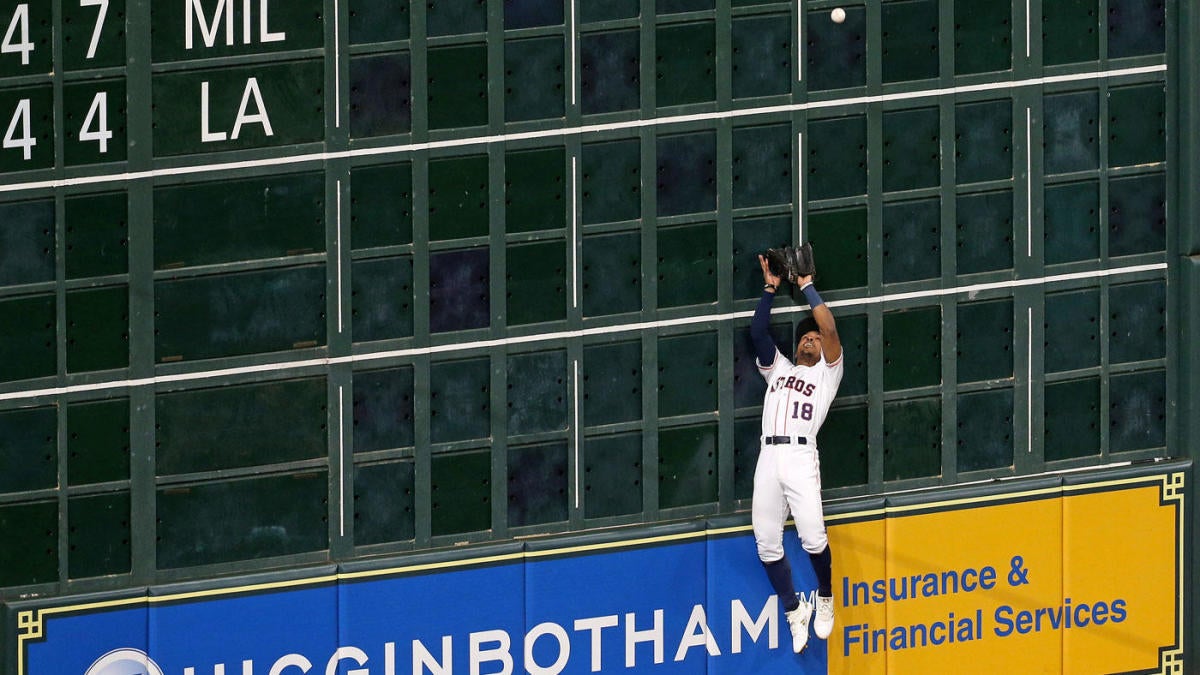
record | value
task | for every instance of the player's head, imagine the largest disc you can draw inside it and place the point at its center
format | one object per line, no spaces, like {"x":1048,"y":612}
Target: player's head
{"x":808,"y":342}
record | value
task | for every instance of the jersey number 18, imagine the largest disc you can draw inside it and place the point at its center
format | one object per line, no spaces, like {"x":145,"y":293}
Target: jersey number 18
{"x":804,"y":412}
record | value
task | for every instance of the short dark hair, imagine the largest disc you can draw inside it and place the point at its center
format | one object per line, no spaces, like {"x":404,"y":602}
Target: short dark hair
{"x":807,"y":325}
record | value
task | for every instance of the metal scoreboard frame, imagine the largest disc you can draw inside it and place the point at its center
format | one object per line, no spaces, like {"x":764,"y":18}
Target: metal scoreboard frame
{"x":354,"y":278}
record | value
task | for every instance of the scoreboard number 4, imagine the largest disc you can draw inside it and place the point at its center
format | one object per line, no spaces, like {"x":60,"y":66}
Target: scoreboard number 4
{"x":26,"y":141}
{"x":98,"y":115}
{"x":19,"y":134}
{"x":18,"y":29}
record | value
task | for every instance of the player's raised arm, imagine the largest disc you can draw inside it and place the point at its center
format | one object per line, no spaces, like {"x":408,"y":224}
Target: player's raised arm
{"x":764,"y":346}
{"x":831,"y":344}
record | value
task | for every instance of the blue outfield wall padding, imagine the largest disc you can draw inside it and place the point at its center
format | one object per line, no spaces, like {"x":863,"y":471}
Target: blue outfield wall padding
{"x":25,"y":621}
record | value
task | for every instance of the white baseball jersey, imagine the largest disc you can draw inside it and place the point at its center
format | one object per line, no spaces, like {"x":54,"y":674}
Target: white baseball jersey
{"x":798,"y":397}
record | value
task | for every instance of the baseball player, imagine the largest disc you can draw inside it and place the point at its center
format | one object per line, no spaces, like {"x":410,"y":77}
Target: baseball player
{"x":788,"y":475}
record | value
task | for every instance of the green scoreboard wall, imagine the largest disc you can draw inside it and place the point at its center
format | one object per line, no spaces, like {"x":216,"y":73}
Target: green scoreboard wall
{"x":286,"y":282}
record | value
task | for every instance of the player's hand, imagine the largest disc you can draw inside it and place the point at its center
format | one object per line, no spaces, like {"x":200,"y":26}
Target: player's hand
{"x":801,"y":281}
{"x":768,"y":278}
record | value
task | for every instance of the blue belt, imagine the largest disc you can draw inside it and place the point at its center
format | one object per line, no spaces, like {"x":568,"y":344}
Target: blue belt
{"x":785,"y":440}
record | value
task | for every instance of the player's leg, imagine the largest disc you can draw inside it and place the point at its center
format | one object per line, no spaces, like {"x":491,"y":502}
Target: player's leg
{"x":769,"y":510}
{"x":802,"y":489}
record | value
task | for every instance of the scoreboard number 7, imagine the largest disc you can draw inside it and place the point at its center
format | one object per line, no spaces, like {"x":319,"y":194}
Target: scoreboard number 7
{"x":103,"y":5}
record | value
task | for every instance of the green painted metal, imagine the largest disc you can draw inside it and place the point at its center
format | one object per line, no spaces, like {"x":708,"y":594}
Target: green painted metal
{"x":98,"y":536}
{"x":461,"y":492}
{"x":383,"y":502}
{"x":612,"y":474}
{"x":537,"y":392}
{"x":213,"y":316}
{"x":1071,"y":221}
{"x":381,"y":290}
{"x":536,"y":282}
{"x":984,"y":232}
{"x":98,"y":441}
{"x":844,"y":435}
{"x":512,"y":203}
{"x":240,"y":426}
{"x":97,"y":329}
{"x":380,"y":94}
{"x":611,"y":274}
{"x":1072,"y":330}
{"x":27,"y":343}
{"x":911,"y":348}
{"x":537,"y":484}
{"x":687,"y":465}
{"x":35,"y":523}
{"x":229,"y":520}
{"x":29,"y":449}
{"x":381,"y":205}
{"x":257,"y":218}
{"x":1072,"y":418}
{"x":912,"y":431}
{"x":96,"y":235}
{"x":534,"y":72}
{"x":985,"y":430}
{"x":28,"y":254}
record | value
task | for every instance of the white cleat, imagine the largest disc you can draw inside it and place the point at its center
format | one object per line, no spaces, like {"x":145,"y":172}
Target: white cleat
{"x":798,"y":621}
{"x":823,"y":623}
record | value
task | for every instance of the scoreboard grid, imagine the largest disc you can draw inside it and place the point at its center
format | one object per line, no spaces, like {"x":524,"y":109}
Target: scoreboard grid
{"x":515,"y":301}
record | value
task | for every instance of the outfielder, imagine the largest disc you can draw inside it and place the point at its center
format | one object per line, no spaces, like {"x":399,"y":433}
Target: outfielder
{"x":788,"y":474}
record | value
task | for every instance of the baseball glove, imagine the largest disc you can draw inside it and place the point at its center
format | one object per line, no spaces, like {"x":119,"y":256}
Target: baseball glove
{"x":791,"y":263}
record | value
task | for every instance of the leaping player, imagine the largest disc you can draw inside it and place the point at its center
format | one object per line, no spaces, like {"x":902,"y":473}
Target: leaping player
{"x":788,"y":474}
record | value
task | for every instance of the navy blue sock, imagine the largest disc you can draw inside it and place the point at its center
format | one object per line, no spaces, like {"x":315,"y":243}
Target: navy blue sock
{"x":823,"y":565}
{"x":780,"y":574}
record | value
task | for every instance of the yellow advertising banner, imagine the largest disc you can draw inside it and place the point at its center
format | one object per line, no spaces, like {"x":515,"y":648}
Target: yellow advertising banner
{"x":1068,"y":579}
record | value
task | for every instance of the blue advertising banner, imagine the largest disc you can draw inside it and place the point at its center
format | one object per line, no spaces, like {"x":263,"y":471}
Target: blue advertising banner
{"x":920,"y":586}
{"x":691,"y":602}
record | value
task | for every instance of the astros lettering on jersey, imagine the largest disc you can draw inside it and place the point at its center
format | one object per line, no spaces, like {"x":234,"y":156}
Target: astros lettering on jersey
{"x":798,"y":397}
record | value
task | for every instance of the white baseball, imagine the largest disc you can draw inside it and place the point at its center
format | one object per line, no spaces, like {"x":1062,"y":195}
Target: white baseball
{"x":838,"y":15}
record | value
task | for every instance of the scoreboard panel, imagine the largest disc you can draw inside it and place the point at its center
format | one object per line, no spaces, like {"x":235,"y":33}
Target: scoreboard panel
{"x":290,"y":282}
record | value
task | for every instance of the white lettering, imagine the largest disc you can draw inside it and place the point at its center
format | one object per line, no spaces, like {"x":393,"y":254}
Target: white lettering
{"x":389,"y":658}
{"x":98,"y":115}
{"x":634,"y":636}
{"x":259,"y":117}
{"x":25,"y":141}
{"x":103,"y":4}
{"x":499,"y":653}
{"x":208,"y":31}
{"x":207,"y":136}
{"x":344,"y":653}
{"x":767,"y":618}
{"x":20,"y":22}
{"x":246,"y":22}
{"x":423,"y":659}
{"x":696,"y":634}
{"x":264,"y":33}
{"x":291,"y":661}
{"x":595,"y":625}
{"x":564,"y":649}
{"x":219,"y":669}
